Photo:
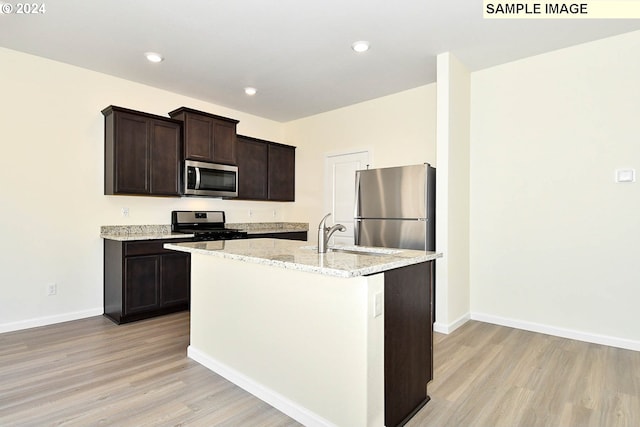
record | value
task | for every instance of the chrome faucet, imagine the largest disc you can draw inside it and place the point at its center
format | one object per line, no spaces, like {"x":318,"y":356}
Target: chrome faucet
{"x":324,"y":234}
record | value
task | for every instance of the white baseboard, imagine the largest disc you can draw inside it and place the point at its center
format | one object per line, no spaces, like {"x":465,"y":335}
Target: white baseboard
{"x":558,"y":332}
{"x":49,"y":320}
{"x":448,"y":328}
{"x":278,"y":401}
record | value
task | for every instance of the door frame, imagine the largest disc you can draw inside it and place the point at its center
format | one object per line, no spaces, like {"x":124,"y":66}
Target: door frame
{"x":327,"y":202}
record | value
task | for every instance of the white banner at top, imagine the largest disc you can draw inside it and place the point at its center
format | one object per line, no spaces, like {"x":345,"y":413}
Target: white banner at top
{"x":587,"y":9}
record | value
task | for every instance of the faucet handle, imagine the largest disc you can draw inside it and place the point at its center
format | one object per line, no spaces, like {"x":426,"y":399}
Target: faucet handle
{"x":323,"y":220}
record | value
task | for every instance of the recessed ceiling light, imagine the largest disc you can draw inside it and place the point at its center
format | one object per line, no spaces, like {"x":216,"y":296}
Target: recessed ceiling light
{"x":250,"y":91}
{"x":360,"y":46}
{"x":154,"y":57}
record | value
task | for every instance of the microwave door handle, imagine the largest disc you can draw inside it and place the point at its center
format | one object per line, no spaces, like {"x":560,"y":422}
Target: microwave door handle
{"x":197,"y":178}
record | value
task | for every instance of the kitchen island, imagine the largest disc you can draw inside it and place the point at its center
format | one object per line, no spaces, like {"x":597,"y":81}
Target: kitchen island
{"x":336,"y":339}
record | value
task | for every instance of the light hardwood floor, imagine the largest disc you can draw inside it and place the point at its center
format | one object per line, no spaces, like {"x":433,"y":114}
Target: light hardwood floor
{"x":488,"y":375}
{"x":91,"y":372}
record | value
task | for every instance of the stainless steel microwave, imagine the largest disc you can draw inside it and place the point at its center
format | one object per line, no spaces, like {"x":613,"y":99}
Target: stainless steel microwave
{"x":210,"y":179}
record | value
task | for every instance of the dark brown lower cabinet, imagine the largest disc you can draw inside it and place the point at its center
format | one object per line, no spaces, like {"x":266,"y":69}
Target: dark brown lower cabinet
{"x":142,"y":279}
{"x":175,"y":278}
{"x":287,"y":235}
{"x":408,"y":341}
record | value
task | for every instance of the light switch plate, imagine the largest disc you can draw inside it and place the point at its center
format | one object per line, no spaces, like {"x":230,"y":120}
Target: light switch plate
{"x":625,"y":175}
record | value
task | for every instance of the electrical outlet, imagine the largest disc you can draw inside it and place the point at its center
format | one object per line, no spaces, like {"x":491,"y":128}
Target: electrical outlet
{"x":52,"y":289}
{"x":125,"y":212}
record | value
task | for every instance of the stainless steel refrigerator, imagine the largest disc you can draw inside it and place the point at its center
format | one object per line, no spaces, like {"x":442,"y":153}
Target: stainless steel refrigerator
{"x":395,"y":207}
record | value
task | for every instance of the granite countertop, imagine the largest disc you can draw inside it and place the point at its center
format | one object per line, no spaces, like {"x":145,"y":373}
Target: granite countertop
{"x":139,"y":232}
{"x":297,"y":256}
{"x":163,"y":231}
{"x":269,"y":227}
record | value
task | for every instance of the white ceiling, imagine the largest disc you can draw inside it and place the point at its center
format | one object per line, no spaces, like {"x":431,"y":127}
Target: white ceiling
{"x":295,"y":52}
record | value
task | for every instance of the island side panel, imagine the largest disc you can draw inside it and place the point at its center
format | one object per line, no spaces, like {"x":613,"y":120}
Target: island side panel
{"x":408,"y":341}
{"x":292,"y":337}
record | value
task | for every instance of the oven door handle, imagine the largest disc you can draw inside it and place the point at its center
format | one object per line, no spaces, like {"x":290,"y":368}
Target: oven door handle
{"x":197,"y":178}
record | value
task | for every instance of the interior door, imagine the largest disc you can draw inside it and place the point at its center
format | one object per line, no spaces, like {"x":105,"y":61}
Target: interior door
{"x":340,"y":191}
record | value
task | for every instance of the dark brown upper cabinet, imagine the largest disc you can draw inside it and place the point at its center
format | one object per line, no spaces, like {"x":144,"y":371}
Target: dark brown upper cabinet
{"x":266,"y":170}
{"x":282,"y":171}
{"x":207,"y":137}
{"x":143,"y":153}
{"x":252,"y":168}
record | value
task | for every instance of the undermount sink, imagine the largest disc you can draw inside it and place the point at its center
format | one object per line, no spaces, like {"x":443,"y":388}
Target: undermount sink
{"x":358,"y":250}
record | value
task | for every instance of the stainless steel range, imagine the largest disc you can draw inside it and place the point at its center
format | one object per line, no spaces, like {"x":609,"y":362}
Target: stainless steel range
{"x":204,"y":225}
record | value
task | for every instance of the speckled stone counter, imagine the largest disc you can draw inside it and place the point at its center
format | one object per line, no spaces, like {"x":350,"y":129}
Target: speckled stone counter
{"x":296,"y":256}
{"x":139,"y":232}
{"x":269,"y":227}
{"x":163,"y":231}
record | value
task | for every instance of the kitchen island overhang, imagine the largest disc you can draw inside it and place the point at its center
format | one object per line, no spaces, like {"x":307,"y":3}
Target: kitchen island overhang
{"x":307,"y":337}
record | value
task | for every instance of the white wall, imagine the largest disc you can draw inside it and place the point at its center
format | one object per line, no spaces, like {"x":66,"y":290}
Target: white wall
{"x":51,"y":175}
{"x":555,"y":242}
{"x":452,"y":194}
{"x":398,"y":129}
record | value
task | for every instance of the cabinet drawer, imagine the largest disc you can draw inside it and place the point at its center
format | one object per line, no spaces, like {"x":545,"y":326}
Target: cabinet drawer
{"x":149,"y":247}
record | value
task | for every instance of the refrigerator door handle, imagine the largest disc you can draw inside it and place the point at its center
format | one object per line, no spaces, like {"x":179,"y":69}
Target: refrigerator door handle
{"x":356,"y":210}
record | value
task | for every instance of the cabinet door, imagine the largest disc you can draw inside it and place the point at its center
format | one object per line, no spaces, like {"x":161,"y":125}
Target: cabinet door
{"x":142,"y":283}
{"x":165,"y":158}
{"x":175,"y":276}
{"x":131,"y":146}
{"x":252,"y":169}
{"x":224,"y":142}
{"x":281,"y":172}
{"x":198,"y":134}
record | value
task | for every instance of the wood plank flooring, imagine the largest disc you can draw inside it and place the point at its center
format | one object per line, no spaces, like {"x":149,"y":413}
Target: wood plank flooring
{"x":91,"y":372}
{"x":488,"y":375}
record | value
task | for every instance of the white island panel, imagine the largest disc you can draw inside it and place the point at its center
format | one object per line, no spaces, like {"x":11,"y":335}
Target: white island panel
{"x":308,"y":344}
